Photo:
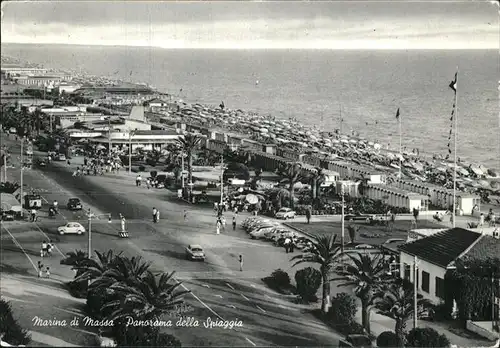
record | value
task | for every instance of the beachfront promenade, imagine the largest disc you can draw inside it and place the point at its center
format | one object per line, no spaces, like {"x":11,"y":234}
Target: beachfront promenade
{"x":218,"y":287}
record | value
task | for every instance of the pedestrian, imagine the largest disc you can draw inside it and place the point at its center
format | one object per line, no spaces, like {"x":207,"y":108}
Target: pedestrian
{"x":223,"y":221}
{"x":157,"y":215}
{"x":44,"y":249}
{"x":47,"y":272}
{"x":148,"y":183}
{"x":481,"y":220}
{"x":50,"y":246}
{"x":185,"y":214}
{"x":234,"y":223}
{"x":217,"y":227}
{"x":291,"y":245}
{"x":40,"y":269}
{"x":33,"y":214}
{"x":240,"y":259}
{"x":154,"y":214}
{"x":287,"y":244}
{"x":235,"y":209}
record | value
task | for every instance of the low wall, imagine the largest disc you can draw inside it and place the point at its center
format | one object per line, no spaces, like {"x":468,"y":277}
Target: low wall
{"x":482,"y":328}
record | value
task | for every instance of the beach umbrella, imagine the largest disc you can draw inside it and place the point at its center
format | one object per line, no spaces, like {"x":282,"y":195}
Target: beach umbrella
{"x":344,"y":141}
{"x":377,"y":146}
{"x":483,"y":183}
{"x":352,"y":141}
{"x":264,"y":130}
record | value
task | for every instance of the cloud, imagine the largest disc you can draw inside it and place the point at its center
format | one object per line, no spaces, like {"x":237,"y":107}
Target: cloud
{"x":251,"y":25}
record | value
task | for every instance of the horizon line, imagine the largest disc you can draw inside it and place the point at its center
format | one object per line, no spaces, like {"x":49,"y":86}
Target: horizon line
{"x":261,"y":48}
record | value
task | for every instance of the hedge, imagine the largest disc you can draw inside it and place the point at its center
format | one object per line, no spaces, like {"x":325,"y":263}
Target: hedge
{"x":13,"y":333}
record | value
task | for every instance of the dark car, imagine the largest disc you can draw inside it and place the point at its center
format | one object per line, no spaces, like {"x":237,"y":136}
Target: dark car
{"x":357,"y":217}
{"x":74,"y":204}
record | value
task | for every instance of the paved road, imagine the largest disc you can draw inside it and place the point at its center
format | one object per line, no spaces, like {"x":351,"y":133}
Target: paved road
{"x":218,"y":287}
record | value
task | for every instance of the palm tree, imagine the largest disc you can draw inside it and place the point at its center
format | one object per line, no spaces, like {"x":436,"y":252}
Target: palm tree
{"x":362,"y":184}
{"x":149,"y":299}
{"x":123,"y":270}
{"x":396,"y":301}
{"x":365,"y":273}
{"x":291,"y":174}
{"x":189,"y":143}
{"x":76,"y":259}
{"x":95,"y":268}
{"x":326,"y":254}
{"x":317,"y":178}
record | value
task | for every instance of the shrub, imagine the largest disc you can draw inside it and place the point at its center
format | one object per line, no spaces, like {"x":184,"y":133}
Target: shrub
{"x":308,"y":281}
{"x":280,"y":278}
{"x":13,"y":333}
{"x":78,"y":289}
{"x":142,"y":168}
{"x":343,"y":309}
{"x":426,"y":337}
{"x":96,"y":298}
{"x":387,"y":339}
{"x":153,"y":173}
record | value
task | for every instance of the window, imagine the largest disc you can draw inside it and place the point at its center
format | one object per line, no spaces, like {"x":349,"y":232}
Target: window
{"x":407,"y":271}
{"x":439,"y":287}
{"x":425,"y":281}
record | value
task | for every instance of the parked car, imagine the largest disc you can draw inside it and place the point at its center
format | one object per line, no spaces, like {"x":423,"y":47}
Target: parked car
{"x":12,"y":130}
{"x":7,"y":215}
{"x":260,"y":232}
{"x":61,"y":157}
{"x":41,"y":162}
{"x":74,"y":204}
{"x":285,"y":213}
{"x":71,"y":228}
{"x":195,"y":252}
{"x":357,"y":217}
{"x":262,"y":225}
{"x":257,"y":224}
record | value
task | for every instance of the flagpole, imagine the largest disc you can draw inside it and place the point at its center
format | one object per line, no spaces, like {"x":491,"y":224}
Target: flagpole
{"x":455,"y":157}
{"x":400,"y":145}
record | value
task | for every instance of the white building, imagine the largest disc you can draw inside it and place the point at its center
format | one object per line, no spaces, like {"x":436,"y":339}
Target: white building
{"x":396,"y":197}
{"x":437,"y":253}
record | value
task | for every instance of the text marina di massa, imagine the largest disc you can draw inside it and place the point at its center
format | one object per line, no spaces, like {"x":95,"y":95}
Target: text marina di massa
{"x":209,"y":323}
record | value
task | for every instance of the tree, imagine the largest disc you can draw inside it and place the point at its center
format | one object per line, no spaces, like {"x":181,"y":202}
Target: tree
{"x":95,"y":268}
{"x":364,"y":272}
{"x":188,"y":144}
{"x":10,"y":330}
{"x":145,"y":298}
{"x":343,"y":308}
{"x":317,"y":178}
{"x":388,"y":339}
{"x":396,"y":301}
{"x":124,"y":270}
{"x":308,"y":281}
{"x":426,"y":337}
{"x":291,"y":173}
{"x":325,"y":253}
{"x":362,"y":184}
{"x":76,"y":259}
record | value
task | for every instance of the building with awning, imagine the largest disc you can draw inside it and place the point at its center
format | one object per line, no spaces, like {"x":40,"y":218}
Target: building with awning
{"x":146,"y":139}
{"x":10,"y":203}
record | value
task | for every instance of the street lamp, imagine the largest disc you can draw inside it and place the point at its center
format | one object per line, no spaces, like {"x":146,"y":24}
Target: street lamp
{"x":221,"y":178}
{"x":91,"y":215}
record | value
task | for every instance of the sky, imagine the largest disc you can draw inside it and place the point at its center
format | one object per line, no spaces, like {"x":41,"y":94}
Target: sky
{"x":256,"y":24}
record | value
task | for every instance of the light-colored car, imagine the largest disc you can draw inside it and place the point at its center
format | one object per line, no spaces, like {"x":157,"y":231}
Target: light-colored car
{"x":12,"y":130}
{"x":61,"y":157}
{"x":285,"y":213}
{"x":263,"y":225}
{"x":261,"y":232}
{"x":71,"y":228}
{"x":195,"y":252}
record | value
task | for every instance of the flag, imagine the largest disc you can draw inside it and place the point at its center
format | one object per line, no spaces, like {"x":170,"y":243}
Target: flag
{"x":397,"y":114}
{"x":453,"y":84}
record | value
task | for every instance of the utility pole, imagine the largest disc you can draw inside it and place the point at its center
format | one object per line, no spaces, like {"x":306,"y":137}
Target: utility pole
{"x":109,"y":136}
{"x":415,"y":293}
{"x":343,"y":218}
{"x":22,"y":178}
{"x":5,"y":166}
{"x":182,"y":171}
{"x":89,"y":242}
{"x":221,"y":178}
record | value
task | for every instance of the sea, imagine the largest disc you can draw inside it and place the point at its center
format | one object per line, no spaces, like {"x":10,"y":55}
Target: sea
{"x":319,"y":87}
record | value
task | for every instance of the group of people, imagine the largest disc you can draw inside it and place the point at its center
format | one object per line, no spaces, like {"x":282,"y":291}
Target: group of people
{"x":490,"y":218}
{"x":97,"y":166}
{"x":156,"y":215}
{"x":47,"y":248}
{"x":41,"y":268}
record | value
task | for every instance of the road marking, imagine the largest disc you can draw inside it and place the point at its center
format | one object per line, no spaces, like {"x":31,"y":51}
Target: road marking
{"x":261,"y":309}
{"x":203,"y":303}
{"x":206,"y":286}
{"x":267,"y":296}
{"x":219,"y":296}
{"x":253,"y":344}
{"x":229,"y":285}
{"x":281,"y":306}
{"x":20,"y":247}
{"x":48,"y":238}
{"x":231,"y":306}
{"x":246,"y":298}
